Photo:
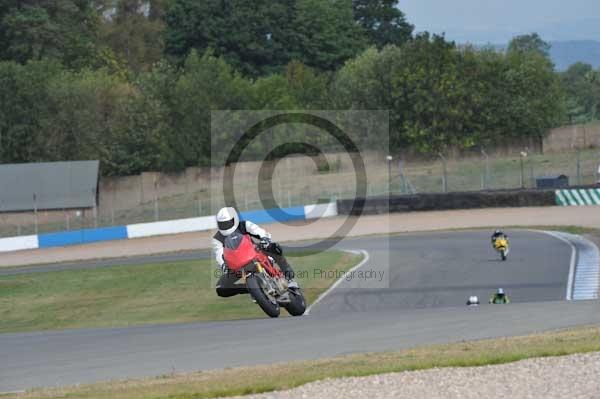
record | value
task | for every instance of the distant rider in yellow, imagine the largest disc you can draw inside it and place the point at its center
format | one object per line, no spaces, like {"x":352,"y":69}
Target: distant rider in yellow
{"x":497,"y":234}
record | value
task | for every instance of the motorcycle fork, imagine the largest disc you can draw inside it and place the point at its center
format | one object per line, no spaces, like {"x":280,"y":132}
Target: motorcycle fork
{"x":272,"y":286}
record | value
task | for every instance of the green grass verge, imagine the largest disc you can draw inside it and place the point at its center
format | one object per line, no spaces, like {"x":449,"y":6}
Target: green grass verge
{"x":172,"y":292}
{"x":248,"y":380}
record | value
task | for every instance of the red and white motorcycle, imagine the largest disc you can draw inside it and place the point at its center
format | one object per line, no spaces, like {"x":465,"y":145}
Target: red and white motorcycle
{"x":264,"y":279}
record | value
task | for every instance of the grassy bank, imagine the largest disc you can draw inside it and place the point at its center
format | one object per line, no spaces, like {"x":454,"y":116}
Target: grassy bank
{"x":171,"y":292}
{"x":240,"y":381}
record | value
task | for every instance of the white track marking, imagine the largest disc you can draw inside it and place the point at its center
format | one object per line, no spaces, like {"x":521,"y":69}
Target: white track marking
{"x":339,"y":281}
{"x":584,"y":277}
{"x":571,"y":265}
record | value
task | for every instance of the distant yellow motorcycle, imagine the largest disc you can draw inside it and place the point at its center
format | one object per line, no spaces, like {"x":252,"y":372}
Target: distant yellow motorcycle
{"x":501,"y":245}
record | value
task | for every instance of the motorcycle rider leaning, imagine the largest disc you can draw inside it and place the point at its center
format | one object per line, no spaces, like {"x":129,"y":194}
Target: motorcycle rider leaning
{"x":228,"y":222}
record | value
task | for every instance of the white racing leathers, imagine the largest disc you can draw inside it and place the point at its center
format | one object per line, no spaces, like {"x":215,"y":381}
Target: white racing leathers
{"x":245,"y":227}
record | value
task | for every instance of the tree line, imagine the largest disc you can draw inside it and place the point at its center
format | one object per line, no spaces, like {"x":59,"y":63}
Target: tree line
{"x":132,"y":82}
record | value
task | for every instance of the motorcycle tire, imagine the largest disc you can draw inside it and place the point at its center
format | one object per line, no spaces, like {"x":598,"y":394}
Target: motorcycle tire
{"x":270,"y":307}
{"x":503,"y":254}
{"x":297,"y":305}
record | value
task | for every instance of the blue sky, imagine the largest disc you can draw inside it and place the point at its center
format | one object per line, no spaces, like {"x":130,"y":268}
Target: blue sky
{"x":496,"y":21}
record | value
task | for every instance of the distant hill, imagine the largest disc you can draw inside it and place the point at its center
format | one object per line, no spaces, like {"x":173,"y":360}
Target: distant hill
{"x":565,"y":54}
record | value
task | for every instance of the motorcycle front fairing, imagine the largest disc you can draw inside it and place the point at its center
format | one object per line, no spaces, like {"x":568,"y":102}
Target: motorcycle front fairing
{"x":239,"y":251}
{"x":501,"y":243}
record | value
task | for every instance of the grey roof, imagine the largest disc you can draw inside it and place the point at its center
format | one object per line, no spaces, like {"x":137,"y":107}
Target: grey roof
{"x":48,"y":185}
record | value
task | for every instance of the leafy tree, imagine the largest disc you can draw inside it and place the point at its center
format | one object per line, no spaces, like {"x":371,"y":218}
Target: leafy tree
{"x":252,"y":36}
{"x":432,"y":94}
{"x":83,"y":108}
{"x":441,"y":96}
{"x":136,"y":143}
{"x":383,"y":22}
{"x":23,"y":104}
{"x":262,"y":37}
{"x":64,"y":30}
{"x":328,"y":34}
{"x":95,"y":115}
{"x":208,"y":83}
{"x":135,"y":32}
{"x":536,"y":97}
{"x":86,"y":80}
{"x":582,"y":94}
{"x":366,"y":82}
{"x":308,"y":87}
{"x":529,"y":43}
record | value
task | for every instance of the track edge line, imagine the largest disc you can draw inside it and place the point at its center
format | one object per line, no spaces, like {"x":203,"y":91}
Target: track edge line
{"x":360,"y":264}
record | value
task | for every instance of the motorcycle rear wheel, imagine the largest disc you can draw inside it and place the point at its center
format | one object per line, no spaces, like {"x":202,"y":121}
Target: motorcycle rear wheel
{"x":503,"y":253}
{"x":269,"y":306}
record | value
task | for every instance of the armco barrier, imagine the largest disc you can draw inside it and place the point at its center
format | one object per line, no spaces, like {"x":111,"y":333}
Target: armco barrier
{"x":448,"y":201}
{"x":578,"y":196}
{"x":318,"y":211}
{"x":171,"y":227}
{"x":275,"y":215}
{"x":82,"y":236}
{"x":18,"y":243}
{"x":65,"y":238}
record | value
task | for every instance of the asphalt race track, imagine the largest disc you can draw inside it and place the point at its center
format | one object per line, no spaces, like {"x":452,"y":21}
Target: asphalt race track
{"x":420,"y":300}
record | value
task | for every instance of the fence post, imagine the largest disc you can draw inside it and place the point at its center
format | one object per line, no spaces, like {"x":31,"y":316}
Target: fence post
{"x":486,"y":178}
{"x":523,"y":154}
{"x":112,"y":206}
{"x":35,"y":212}
{"x":402,"y":177}
{"x":578,"y":166}
{"x":445,"y":173}
{"x":531,"y":176}
{"x":389,"y":159}
{"x":156,"y":211}
{"x":95,"y":211}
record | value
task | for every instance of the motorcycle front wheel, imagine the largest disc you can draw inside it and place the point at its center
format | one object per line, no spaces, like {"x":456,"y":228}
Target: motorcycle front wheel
{"x":267,"y":304}
{"x":297,"y":305}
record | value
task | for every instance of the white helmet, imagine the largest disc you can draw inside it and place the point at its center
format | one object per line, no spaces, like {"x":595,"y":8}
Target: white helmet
{"x":500,"y":291}
{"x":473,"y":300}
{"x":227,"y":220}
